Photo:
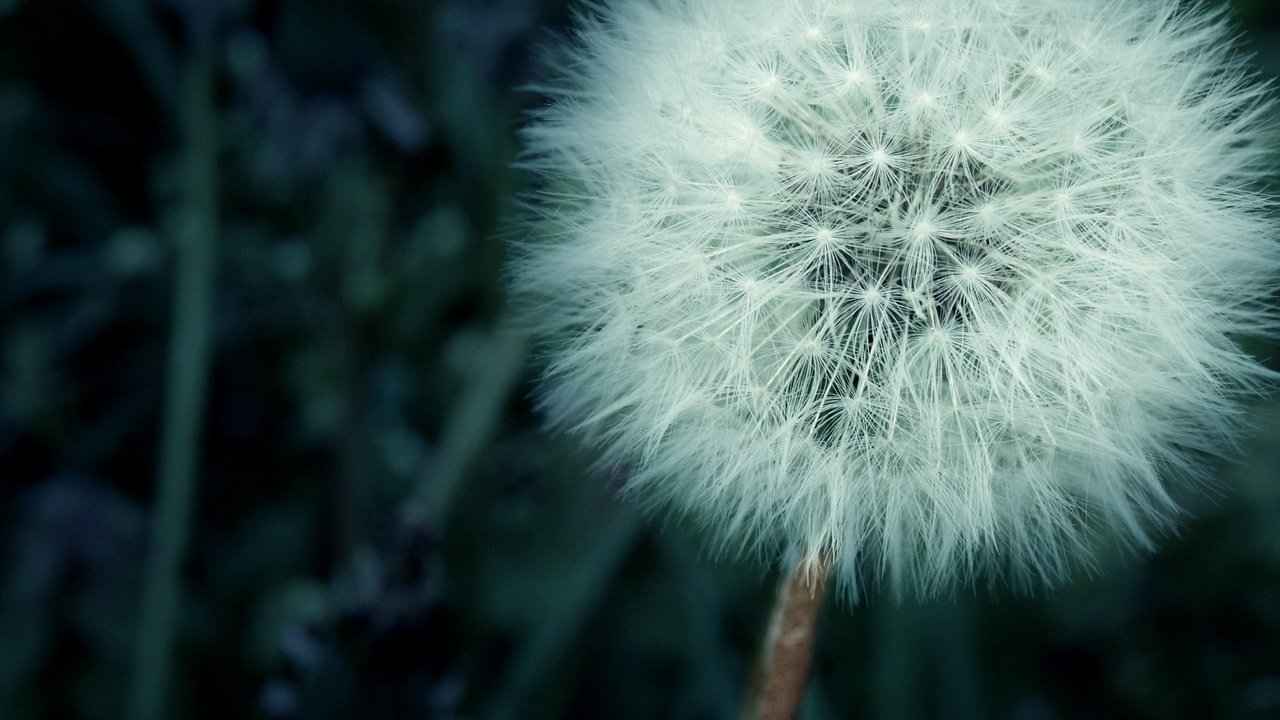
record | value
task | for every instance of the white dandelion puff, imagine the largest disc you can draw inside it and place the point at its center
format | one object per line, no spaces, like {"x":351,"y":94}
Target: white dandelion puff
{"x":933,"y":289}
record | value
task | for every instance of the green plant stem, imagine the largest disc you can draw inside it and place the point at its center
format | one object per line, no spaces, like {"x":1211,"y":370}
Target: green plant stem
{"x":896,"y":651}
{"x":584,"y":589}
{"x":471,"y":423}
{"x":188,"y":369}
{"x":709,"y":669}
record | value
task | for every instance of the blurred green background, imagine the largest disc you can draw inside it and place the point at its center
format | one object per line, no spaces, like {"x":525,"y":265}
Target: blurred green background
{"x":251,"y":254}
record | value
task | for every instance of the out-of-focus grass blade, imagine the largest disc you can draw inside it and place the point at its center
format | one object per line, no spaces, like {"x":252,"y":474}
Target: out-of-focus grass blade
{"x":543,"y":651}
{"x":136,"y":27}
{"x":472,"y":422}
{"x":709,"y":666}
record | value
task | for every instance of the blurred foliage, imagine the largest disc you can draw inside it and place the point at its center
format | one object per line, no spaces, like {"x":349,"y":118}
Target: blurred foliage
{"x":382,"y":530}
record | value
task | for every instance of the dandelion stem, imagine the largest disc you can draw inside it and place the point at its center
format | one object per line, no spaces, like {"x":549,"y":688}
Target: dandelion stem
{"x":187,"y":375}
{"x":782,"y":669}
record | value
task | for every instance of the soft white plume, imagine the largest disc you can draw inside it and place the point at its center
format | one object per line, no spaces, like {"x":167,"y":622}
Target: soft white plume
{"x":938,"y":288}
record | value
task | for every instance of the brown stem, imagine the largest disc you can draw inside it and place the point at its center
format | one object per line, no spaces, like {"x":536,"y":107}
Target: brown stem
{"x":782,"y":670}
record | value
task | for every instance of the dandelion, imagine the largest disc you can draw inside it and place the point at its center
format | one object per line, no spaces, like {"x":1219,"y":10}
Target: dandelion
{"x":933,"y":290}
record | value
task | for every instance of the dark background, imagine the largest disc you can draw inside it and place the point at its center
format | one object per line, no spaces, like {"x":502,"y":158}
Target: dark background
{"x":378,"y":527}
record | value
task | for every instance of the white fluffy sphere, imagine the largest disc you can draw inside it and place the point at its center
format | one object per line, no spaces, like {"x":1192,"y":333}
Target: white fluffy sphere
{"x":936,"y":288}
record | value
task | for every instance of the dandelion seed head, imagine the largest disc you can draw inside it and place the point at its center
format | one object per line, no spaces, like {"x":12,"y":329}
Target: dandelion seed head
{"x":940,"y":289}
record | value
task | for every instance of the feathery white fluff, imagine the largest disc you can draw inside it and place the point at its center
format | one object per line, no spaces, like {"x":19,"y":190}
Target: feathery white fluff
{"x":937,"y":288}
